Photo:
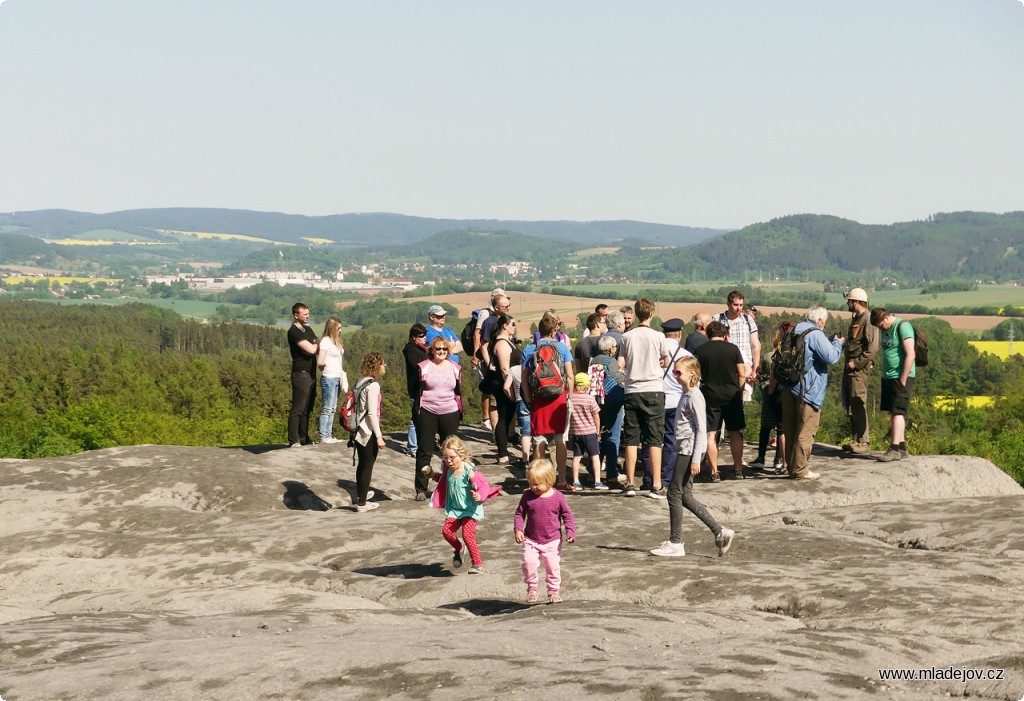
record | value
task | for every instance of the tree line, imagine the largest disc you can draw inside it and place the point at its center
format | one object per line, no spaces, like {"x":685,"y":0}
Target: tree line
{"x":87,"y":377}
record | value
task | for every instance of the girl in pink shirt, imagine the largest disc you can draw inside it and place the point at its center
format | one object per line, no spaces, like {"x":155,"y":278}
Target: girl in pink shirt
{"x":539,"y":518}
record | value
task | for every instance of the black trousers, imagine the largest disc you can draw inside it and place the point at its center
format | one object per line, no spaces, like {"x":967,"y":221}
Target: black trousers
{"x":506,"y":417}
{"x":366,"y":456}
{"x":303,"y":397}
{"x":428,"y":426}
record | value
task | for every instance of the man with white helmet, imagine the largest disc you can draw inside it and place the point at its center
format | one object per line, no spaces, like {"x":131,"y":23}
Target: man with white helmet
{"x":860,"y":350}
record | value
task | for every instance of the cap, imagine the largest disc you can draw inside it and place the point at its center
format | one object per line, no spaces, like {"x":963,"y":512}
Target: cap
{"x":437,"y":310}
{"x":857,"y":294}
{"x":672,"y":325}
{"x":582,"y":379}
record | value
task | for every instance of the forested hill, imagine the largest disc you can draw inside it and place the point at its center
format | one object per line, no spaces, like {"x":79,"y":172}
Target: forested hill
{"x":350,"y":229}
{"x":480,"y":248}
{"x":968,"y":244}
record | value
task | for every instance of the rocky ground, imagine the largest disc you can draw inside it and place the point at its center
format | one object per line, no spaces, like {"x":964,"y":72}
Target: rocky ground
{"x":204,"y":573}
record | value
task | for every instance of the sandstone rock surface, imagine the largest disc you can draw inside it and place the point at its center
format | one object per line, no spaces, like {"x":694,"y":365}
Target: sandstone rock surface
{"x":205,"y":573}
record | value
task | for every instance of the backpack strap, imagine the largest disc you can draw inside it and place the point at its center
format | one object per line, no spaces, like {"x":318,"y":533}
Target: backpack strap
{"x":671,"y":362}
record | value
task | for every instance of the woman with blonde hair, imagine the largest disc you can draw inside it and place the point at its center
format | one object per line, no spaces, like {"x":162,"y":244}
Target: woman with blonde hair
{"x":437,"y":407}
{"x":691,"y":443}
{"x":333,"y":380}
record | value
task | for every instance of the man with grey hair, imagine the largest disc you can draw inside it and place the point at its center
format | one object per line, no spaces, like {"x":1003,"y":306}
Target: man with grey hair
{"x":801,"y":402}
{"x":616,"y":327}
{"x":699,"y":336}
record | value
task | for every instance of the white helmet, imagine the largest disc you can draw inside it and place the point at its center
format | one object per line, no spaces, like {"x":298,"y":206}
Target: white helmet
{"x":857,"y":294}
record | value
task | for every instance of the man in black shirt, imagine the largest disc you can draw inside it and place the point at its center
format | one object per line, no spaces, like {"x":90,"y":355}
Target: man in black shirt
{"x":415,"y":352}
{"x":723,"y":372}
{"x":303,"y":346}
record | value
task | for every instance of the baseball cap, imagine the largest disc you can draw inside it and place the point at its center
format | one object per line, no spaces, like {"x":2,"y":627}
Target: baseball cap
{"x":437,"y":310}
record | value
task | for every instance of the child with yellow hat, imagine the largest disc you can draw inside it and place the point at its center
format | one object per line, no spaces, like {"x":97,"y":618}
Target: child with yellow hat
{"x":584,"y":428}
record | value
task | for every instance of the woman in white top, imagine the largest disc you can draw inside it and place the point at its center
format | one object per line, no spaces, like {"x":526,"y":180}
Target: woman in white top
{"x":368,"y":437}
{"x":333,"y":380}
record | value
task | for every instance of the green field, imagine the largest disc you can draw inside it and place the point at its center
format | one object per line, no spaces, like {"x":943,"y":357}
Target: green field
{"x":189,"y":308}
{"x":108,"y":235}
{"x":702,"y":287}
{"x":984,"y":296}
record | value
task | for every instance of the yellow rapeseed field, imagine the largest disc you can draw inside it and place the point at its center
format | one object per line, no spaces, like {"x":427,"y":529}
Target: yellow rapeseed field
{"x":1000,"y":349}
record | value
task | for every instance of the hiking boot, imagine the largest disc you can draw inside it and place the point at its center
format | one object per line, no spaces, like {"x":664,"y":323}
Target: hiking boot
{"x":457,"y":559}
{"x":669,"y":549}
{"x":724,"y":541}
{"x":861,"y":448}
{"x":890,"y":455}
{"x":659,"y":493}
{"x":629,"y":490}
{"x":904,"y":453}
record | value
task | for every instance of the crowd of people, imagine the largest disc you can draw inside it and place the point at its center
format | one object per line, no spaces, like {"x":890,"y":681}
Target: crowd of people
{"x":625,"y":391}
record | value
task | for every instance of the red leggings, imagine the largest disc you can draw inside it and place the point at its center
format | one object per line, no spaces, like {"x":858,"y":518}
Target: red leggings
{"x":468,"y":526}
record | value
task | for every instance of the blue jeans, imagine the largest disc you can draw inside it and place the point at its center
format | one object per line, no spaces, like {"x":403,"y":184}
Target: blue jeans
{"x":610,"y":439}
{"x":411,"y":439}
{"x":523,"y":418}
{"x":329,"y":389}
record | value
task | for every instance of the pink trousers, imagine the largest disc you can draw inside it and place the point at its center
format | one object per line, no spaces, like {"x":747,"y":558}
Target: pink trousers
{"x":551,"y":554}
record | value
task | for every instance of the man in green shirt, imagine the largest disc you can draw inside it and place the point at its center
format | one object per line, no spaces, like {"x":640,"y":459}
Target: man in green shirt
{"x":898,"y":371}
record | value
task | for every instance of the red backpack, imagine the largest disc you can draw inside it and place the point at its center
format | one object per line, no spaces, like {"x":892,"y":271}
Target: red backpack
{"x":547,"y":372}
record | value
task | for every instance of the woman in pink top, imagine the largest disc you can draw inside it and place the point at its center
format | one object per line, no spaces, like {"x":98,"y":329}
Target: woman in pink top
{"x":438,"y":405}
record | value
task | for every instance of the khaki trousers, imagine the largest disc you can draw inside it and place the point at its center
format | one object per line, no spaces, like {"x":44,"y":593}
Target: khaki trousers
{"x":799,"y":424}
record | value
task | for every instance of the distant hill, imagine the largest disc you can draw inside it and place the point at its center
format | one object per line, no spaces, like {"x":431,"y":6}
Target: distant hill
{"x":960,"y":244}
{"x":344,"y":229}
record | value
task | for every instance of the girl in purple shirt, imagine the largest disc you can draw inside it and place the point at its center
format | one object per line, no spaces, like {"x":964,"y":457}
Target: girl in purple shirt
{"x":538,"y":526}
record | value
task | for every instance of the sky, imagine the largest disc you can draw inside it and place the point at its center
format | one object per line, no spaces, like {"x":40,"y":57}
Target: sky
{"x":709,"y":113}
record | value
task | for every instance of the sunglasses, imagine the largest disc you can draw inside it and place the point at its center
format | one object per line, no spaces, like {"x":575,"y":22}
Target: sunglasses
{"x":440,"y":350}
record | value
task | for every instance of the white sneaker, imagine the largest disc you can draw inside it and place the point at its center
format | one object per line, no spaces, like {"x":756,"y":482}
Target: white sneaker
{"x":327,"y":440}
{"x":669,"y":549}
{"x":487,"y":424}
{"x":295,"y":445}
{"x":368,"y":506}
{"x":724,"y":541}
{"x":659,"y":493}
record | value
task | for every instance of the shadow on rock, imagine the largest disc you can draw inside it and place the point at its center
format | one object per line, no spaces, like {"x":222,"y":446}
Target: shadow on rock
{"x":487,"y":607}
{"x":410,"y":571}
{"x":299,"y":497}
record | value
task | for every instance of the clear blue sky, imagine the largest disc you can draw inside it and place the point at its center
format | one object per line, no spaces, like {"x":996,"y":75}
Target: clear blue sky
{"x":702,"y":113}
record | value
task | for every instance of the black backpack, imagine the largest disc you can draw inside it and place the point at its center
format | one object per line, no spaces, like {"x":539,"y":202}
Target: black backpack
{"x":789,"y":361}
{"x":466,"y":337}
{"x":920,"y":345}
